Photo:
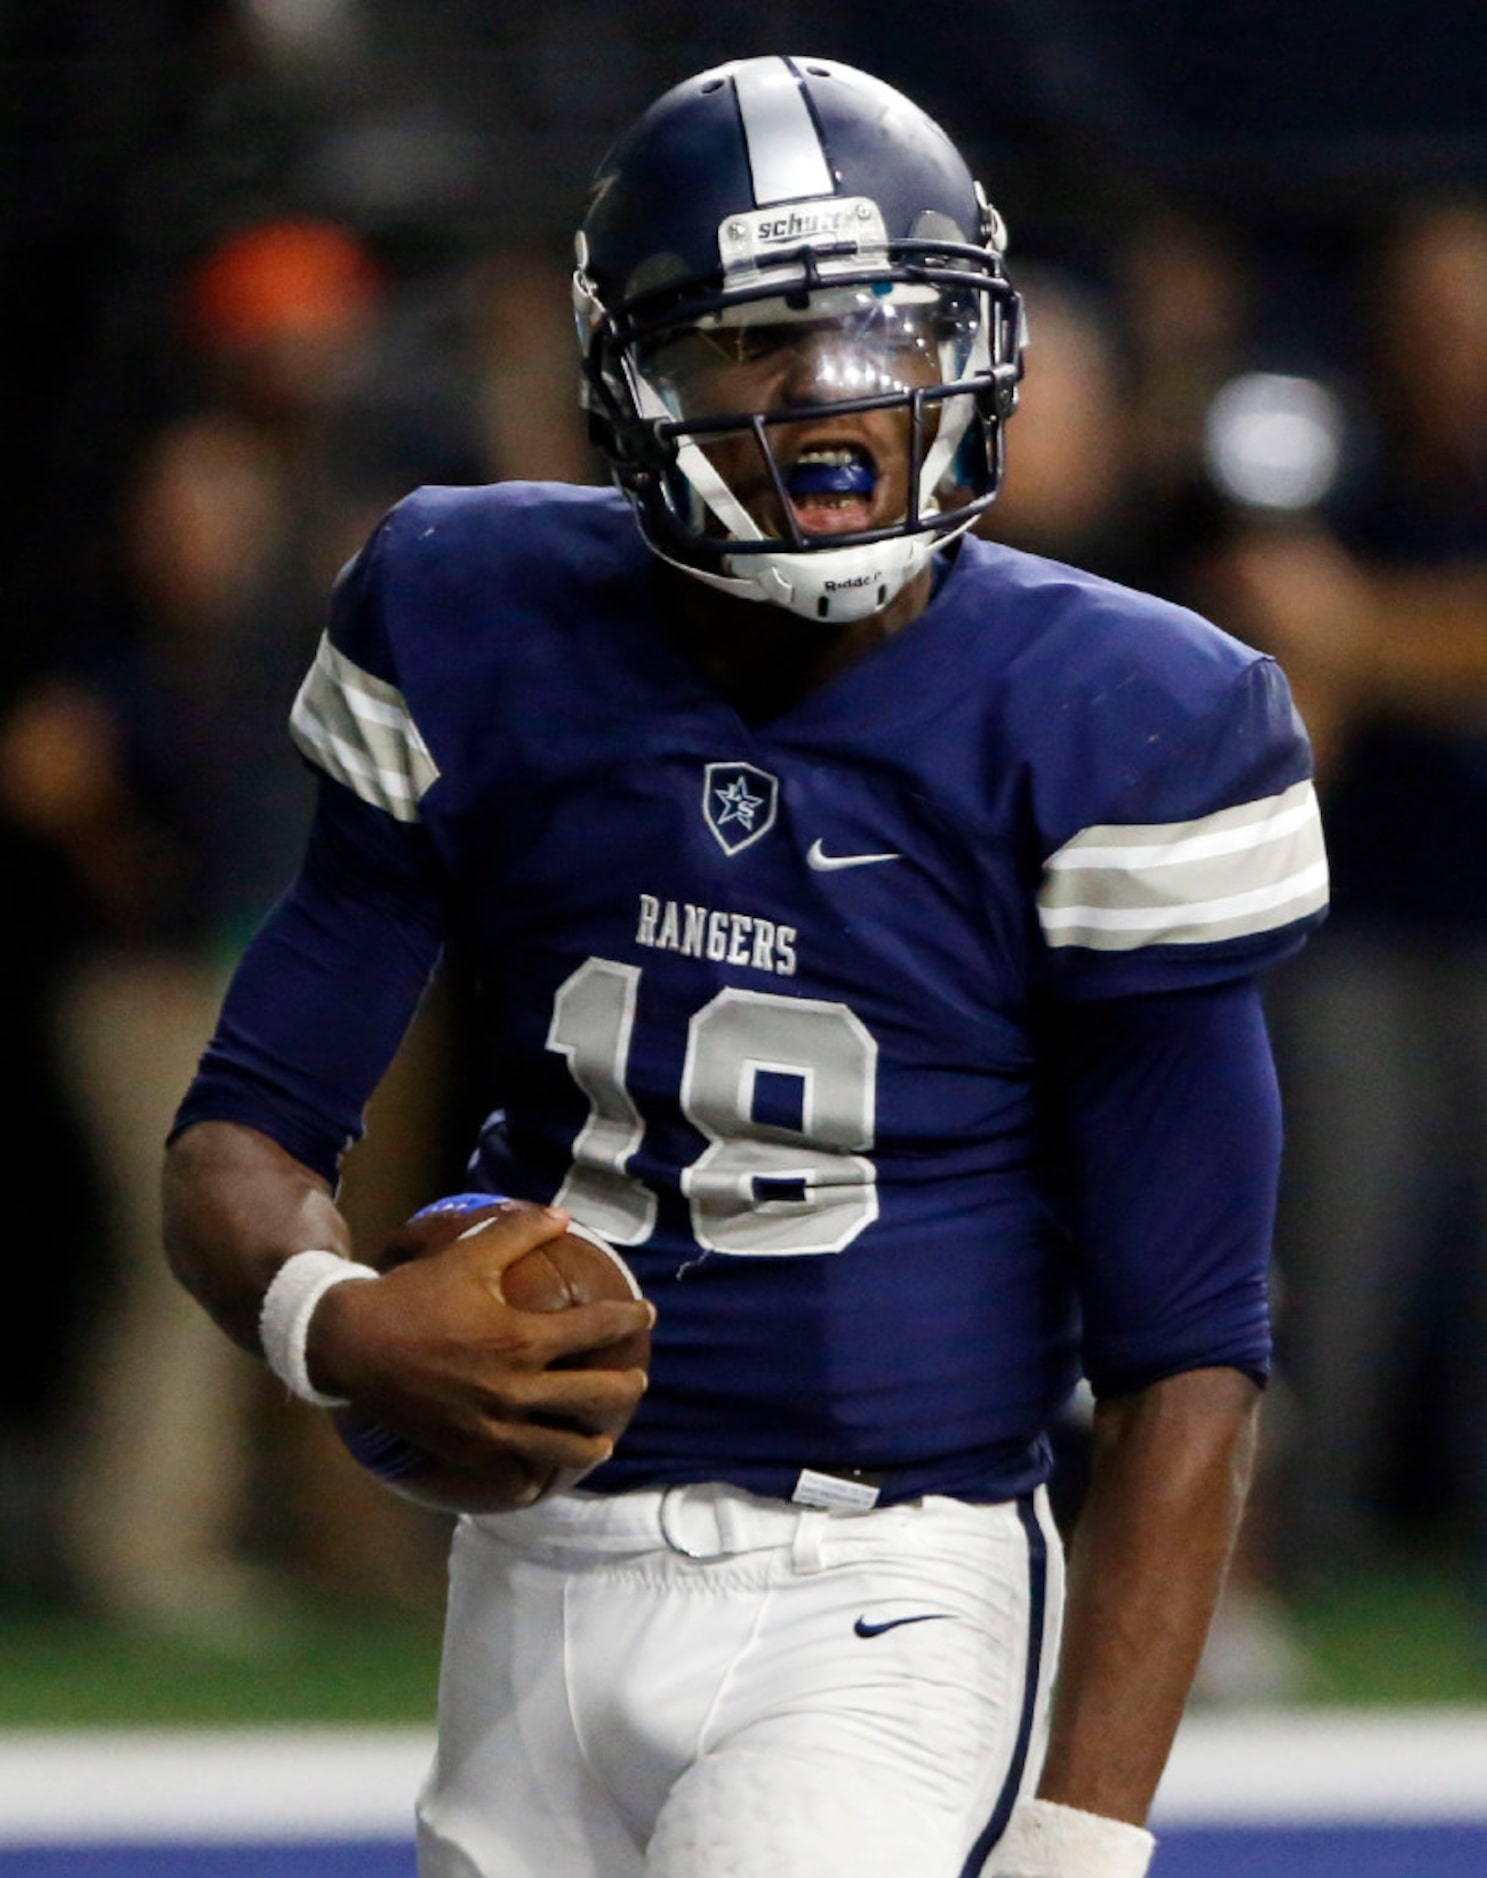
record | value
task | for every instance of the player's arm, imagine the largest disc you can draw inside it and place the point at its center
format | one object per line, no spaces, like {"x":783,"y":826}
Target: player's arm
{"x":236,"y":1206}
{"x":1169,"y":1476}
{"x":1172,"y":1137}
{"x":430,"y":1347}
{"x":314,"y":1014}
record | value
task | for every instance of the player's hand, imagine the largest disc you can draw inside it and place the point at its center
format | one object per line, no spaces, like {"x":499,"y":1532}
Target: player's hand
{"x":433,"y":1351}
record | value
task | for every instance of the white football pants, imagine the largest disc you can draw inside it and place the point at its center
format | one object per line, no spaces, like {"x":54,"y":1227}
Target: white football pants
{"x":702,"y":1684}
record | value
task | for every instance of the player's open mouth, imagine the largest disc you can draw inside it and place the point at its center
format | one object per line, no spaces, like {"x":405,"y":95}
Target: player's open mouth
{"x":831,"y":488}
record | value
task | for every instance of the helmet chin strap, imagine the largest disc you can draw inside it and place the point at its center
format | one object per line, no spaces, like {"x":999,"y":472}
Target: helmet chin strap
{"x":828,"y":585}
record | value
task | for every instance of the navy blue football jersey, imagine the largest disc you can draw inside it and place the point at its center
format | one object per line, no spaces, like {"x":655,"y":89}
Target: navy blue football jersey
{"x":905,"y":1042}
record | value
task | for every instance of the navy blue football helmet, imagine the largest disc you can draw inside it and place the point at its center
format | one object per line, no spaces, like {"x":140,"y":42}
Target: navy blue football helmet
{"x":800,"y":344}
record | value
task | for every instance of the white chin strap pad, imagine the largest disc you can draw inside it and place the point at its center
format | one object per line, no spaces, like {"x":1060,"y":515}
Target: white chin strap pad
{"x":835,"y":583}
{"x":830,"y":584}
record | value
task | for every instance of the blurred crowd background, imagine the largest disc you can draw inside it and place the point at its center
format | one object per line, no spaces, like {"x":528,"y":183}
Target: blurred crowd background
{"x":268,"y":264}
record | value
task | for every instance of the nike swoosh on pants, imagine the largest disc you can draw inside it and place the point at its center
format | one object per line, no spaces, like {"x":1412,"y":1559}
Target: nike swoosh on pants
{"x":863,"y":1628}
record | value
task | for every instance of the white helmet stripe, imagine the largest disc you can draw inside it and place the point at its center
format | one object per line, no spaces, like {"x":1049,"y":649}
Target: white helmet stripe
{"x":786,"y":160}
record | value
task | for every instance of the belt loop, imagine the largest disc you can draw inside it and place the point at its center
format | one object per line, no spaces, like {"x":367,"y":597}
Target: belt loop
{"x":805,"y":1547}
{"x":732,"y":1526}
{"x":677,"y":1503}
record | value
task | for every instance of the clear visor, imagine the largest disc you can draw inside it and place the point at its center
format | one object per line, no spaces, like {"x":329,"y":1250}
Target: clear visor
{"x":882,"y":338}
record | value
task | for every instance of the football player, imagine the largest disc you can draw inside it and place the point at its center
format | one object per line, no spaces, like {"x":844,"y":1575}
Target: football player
{"x":868,"y":920}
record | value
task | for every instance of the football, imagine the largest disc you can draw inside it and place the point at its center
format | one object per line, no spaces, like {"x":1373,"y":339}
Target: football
{"x":578,"y":1268}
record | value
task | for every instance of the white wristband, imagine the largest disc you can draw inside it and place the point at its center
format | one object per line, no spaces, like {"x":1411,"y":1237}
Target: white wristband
{"x":284,"y":1322}
{"x":1046,"y":1840}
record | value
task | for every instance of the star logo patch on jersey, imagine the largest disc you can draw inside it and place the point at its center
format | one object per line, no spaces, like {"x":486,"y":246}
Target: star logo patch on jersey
{"x":738,"y":803}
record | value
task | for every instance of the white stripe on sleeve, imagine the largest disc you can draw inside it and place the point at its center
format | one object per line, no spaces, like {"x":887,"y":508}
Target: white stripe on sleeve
{"x":359,"y":729}
{"x":1229,"y":875}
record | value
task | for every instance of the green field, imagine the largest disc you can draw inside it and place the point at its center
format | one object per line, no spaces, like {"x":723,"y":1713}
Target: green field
{"x":324,"y":1665}
{"x":1407,"y":1634}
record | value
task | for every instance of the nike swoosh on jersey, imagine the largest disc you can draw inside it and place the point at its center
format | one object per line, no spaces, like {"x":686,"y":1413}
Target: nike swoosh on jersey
{"x":863,"y":1628}
{"x":825,"y":863}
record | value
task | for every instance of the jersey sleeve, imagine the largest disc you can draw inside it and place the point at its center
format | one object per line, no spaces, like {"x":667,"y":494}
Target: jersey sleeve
{"x":1171,"y":1127}
{"x":351,"y":719}
{"x":1182,"y":840}
{"x":326,"y":990}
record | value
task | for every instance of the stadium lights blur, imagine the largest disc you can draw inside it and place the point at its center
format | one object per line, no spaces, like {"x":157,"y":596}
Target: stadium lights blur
{"x":1274,"y":441}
